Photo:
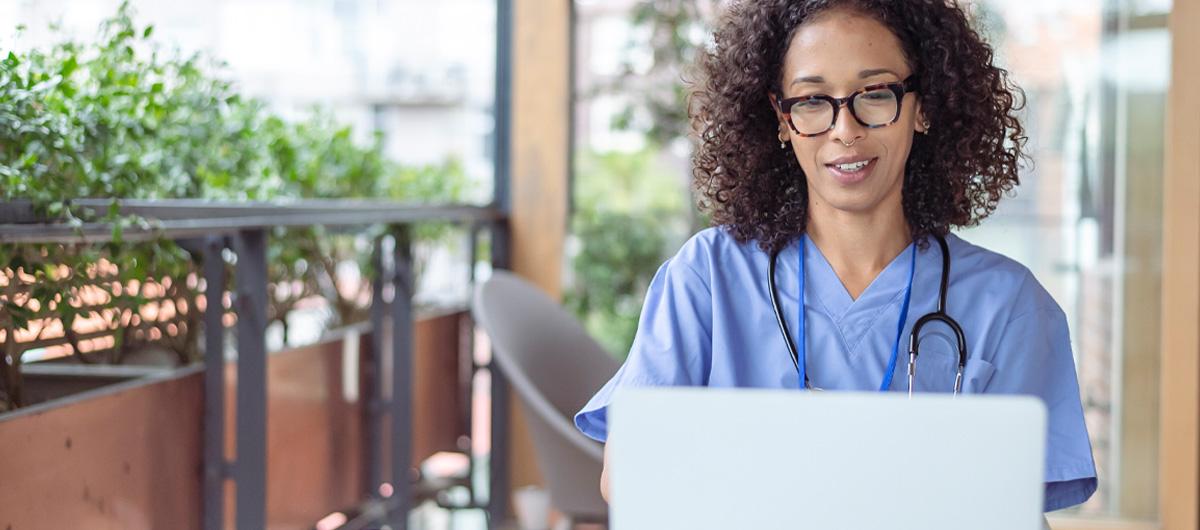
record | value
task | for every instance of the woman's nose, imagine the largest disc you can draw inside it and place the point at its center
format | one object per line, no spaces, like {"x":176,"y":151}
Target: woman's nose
{"x":846,"y":128}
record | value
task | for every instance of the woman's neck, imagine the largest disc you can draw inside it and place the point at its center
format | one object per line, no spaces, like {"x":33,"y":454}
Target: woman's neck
{"x":858,"y":245}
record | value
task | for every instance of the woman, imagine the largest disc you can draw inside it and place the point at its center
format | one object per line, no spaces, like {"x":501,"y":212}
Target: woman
{"x":844,"y":137}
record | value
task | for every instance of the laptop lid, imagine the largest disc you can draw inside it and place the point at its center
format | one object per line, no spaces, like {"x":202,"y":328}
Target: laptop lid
{"x":709,"y":459}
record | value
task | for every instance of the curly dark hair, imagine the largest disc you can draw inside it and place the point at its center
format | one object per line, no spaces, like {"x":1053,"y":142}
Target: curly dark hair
{"x":955,"y":175}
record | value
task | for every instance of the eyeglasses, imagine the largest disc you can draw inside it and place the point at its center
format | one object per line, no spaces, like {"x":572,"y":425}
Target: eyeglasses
{"x":872,"y":106}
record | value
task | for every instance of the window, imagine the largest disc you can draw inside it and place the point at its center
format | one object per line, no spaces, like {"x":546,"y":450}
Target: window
{"x":1087,"y":217}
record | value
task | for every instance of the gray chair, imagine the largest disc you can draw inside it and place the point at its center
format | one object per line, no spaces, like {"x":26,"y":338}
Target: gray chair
{"x":554,"y":367}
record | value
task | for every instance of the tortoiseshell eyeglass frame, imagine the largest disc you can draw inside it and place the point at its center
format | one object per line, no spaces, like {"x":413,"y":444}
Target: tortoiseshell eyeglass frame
{"x":898,"y":88}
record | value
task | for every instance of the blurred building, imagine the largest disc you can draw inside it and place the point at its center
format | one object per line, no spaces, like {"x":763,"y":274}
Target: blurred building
{"x":421,"y":74}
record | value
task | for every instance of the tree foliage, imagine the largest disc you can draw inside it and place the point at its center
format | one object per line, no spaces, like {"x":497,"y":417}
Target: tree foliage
{"x":118,"y":117}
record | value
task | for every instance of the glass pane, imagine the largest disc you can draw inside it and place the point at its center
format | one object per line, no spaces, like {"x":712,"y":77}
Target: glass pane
{"x":1087,"y":215}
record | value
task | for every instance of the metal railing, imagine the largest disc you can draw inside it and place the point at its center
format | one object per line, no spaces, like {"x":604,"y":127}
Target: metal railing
{"x":212,"y":229}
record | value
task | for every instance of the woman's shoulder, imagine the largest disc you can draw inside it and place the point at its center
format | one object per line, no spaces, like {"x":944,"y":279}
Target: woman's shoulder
{"x":987,"y":272}
{"x":706,"y":248}
{"x":712,"y":257}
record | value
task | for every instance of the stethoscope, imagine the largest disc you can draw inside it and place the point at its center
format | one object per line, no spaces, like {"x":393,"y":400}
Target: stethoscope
{"x":940,"y":315}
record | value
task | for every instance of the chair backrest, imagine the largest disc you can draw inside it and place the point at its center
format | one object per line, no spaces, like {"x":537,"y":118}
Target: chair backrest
{"x":554,"y":367}
{"x":540,"y":346}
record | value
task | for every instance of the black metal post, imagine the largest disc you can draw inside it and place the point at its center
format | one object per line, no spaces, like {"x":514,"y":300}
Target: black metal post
{"x":498,"y":453}
{"x":250,"y":471}
{"x":372,"y":394}
{"x":470,"y":367}
{"x":502,"y":158}
{"x":402,"y":395}
{"x":214,"y":384}
{"x":498,"y":489}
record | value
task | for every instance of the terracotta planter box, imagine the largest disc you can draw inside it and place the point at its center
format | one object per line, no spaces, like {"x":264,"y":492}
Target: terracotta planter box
{"x":129,"y":455}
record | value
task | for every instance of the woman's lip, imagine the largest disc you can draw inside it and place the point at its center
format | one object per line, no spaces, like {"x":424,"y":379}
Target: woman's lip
{"x":852,"y":177}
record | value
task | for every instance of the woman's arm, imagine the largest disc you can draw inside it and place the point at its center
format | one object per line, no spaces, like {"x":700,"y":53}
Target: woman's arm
{"x":604,"y":473}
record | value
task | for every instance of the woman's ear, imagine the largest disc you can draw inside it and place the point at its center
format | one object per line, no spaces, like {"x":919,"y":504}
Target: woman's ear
{"x":780,"y":119}
{"x":921,"y":124}
{"x":775,"y":107}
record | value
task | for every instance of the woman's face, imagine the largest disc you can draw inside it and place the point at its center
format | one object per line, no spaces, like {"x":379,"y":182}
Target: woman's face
{"x":835,"y":54}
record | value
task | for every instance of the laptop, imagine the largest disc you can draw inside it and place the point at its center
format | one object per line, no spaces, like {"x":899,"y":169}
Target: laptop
{"x":721,"y":459}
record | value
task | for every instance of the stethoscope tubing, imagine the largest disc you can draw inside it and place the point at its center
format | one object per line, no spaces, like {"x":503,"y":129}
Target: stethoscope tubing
{"x":913,"y":344}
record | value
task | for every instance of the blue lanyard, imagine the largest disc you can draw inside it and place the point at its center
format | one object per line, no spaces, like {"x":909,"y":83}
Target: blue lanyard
{"x":891,"y":369}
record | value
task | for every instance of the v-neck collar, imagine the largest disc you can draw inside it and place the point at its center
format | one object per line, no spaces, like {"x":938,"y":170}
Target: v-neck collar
{"x":822,"y":280}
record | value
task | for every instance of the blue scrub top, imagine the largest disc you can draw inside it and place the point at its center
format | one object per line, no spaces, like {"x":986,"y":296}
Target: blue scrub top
{"x":708,"y":321}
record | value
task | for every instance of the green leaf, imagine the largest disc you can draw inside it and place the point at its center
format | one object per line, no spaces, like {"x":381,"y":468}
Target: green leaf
{"x":19,"y":314}
{"x":67,"y":313}
{"x":69,"y":66}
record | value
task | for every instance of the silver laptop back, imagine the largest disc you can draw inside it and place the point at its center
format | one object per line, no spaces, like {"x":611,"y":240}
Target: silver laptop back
{"x":709,"y":459}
